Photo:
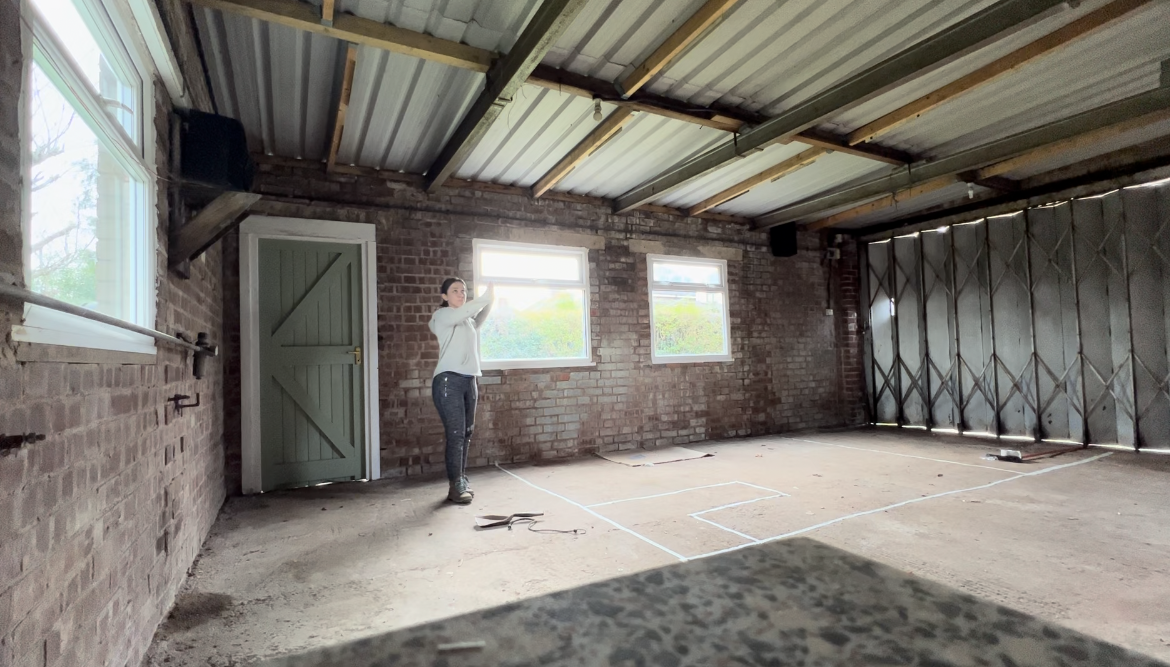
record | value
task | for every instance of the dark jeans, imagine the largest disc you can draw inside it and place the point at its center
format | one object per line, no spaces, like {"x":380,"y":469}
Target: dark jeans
{"x":455,"y":397}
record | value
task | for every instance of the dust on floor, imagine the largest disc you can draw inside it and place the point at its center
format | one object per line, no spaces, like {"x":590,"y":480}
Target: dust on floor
{"x":1079,"y":539}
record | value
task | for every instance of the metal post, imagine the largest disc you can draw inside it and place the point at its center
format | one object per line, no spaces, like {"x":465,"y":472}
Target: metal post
{"x":958,"y":406}
{"x":924,"y":367}
{"x":1129,"y":314}
{"x":1032,"y":316}
{"x":1072,"y":236}
{"x":991,"y":322}
{"x":892,"y":271}
{"x":863,"y":260}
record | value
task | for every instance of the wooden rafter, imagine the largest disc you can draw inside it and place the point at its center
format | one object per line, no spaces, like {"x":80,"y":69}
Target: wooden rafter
{"x":770,"y":174}
{"x":1027,"y":148}
{"x":687,"y":33}
{"x":885,"y":201}
{"x":993,"y":22}
{"x":208,"y":225}
{"x":350,"y":28}
{"x":506,"y":76}
{"x":1046,"y":45}
{"x":342,"y":105}
{"x":327,"y":12}
{"x":397,"y":40}
{"x":1071,"y":144}
{"x":596,"y":139}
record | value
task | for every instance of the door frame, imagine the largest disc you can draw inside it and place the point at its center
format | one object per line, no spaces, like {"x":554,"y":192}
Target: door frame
{"x":252,"y":229}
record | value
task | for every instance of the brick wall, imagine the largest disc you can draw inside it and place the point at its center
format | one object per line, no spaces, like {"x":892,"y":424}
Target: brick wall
{"x":795,"y":367}
{"x":100,"y":522}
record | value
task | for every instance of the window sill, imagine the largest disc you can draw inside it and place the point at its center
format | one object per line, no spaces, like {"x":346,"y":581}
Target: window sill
{"x":79,"y":355}
{"x":679,"y":361}
{"x":552,"y":364}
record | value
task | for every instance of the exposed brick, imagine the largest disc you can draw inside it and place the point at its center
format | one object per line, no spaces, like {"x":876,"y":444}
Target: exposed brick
{"x":102,"y":463}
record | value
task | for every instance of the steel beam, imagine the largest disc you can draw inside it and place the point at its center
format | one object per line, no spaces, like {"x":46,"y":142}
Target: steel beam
{"x":997,"y":151}
{"x":504,"y":79}
{"x":926,"y":56}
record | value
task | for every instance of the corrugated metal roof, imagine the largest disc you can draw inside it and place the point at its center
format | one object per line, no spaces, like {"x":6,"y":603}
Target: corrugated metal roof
{"x":646,"y":146}
{"x":762,"y":55}
{"x":402,"y":110}
{"x":829,"y":172}
{"x":276,"y":80}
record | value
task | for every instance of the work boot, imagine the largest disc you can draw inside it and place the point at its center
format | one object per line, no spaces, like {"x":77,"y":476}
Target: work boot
{"x":458,"y":494}
{"x":467,"y":486}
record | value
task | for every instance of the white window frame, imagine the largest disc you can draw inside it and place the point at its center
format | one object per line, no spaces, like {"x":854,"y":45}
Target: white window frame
{"x":110,"y":29}
{"x":583,"y":284}
{"x":688,"y":287}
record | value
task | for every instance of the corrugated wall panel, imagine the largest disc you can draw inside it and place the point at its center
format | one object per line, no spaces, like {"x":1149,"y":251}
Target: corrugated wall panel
{"x":1059,"y":316}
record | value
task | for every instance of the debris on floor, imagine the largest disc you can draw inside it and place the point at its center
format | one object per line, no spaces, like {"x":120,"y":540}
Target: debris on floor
{"x":649,"y":457}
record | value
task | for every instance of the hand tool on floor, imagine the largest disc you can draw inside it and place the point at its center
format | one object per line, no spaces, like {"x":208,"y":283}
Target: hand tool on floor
{"x":493,"y":520}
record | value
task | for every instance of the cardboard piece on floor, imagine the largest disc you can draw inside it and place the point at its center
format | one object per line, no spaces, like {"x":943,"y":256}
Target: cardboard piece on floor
{"x":650,"y":457}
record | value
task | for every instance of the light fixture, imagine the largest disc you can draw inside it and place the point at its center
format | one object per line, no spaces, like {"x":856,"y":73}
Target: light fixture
{"x":970,"y":191}
{"x":597,"y":110}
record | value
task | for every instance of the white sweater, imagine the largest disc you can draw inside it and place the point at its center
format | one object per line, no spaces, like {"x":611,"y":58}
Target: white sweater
{"x":458,"y":332}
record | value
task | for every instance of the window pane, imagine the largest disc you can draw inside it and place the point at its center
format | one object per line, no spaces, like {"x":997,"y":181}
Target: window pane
{"x":76,"y":37}
{"x":535,"y":323}
{"x":685,"y":272}
{"x":498,"y":263}
{"x":688,"y":323}
{"x":85,"y":214}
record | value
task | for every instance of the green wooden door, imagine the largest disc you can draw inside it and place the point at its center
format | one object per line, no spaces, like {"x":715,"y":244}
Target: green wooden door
{"x":311,"y":384}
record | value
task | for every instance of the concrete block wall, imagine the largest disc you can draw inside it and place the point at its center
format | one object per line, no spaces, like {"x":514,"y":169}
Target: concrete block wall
{"x":795,"y":367}
{"x":100,"y":522}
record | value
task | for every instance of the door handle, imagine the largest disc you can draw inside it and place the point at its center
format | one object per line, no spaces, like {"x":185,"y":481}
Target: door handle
{"x":357,"y":356}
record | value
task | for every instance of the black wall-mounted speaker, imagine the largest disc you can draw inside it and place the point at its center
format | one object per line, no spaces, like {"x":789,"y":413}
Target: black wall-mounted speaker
{"x":783,"y":240}
{"x":214,"y":151}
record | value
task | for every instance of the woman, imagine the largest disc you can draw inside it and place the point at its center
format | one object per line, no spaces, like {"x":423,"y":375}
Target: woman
{"x":456,"y":324}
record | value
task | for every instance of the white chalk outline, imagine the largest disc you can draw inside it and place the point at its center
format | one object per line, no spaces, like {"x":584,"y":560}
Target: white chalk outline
{"x":909,"y":456}
{"x":693,"y":488}
{"x":807,"y":529}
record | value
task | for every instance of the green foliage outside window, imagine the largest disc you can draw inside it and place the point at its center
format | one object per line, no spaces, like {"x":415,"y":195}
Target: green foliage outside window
{"x":685,"y":326}
{"x":553,"y":328}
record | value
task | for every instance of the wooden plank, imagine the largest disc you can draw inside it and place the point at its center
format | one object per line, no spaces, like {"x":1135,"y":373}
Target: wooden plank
{"x":327,"y":12}
{"x":506,"y":77}
{"x":318,"y":291}
{"x":1046,"y":45}
{"x":674,"y":45}
{"x":869,"y":151}
{"x":885,"y":201}
{"x":770,"y":174}
{"x":994,"y":22}
{"x":342,"y":106}
{"x":303,"y":16}
{"x":1072,"y":144}
{"x":208,"y":224}
{"x":596,"y":139}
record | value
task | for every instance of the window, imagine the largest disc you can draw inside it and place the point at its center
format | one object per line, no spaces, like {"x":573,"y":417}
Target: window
{"x":541,"y":316}
{"x":688,"y":309}
{"x":88,"y":237}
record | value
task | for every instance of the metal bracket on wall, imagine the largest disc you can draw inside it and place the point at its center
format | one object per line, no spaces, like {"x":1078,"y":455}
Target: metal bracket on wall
{"x":8,"y":442}
{"x":178,"y":399}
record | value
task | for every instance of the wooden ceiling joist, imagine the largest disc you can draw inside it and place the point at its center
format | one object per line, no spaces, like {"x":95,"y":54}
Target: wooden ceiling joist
{"x":327,"y":12}
{"x":1046,"y":45}
{"x":885,"y":201}
{"x":596,"y":139}
{"x":503,"y":81}
{"x":1003,"y":17}
{"x":770,"y":174}
{"x":342,"y":106}
{"x":674,"y":45}
{"x":303,"y":16}
{"x":994,"y":158}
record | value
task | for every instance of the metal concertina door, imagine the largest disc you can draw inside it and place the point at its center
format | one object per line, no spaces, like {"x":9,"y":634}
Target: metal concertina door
{"x":1052,"y":323}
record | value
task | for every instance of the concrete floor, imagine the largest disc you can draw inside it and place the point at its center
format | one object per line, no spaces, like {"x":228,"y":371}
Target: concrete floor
{"x":1080,"y":540}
